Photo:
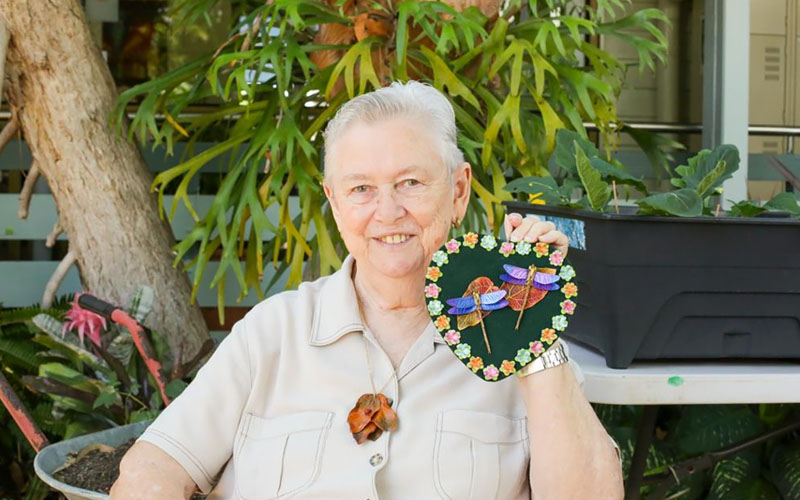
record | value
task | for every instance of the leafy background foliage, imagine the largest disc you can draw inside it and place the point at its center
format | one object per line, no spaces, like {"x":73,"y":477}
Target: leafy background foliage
{"x":513,"y":80}
{"x":580,"y":168}
{"x":766,"y":471}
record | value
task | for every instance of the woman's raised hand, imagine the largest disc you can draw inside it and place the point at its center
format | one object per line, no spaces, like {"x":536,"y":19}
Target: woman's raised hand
{"x":532,"y":229}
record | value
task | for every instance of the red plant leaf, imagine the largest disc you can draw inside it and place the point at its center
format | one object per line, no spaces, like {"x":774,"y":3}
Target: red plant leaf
{"x":481,"y":285}
{"x":516,"y":296}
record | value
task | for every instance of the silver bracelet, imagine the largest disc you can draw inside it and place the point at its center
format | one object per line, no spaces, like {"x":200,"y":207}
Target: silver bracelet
{"x":550,"y":358}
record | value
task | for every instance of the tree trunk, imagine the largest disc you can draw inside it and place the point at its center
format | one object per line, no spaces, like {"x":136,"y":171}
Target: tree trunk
{"x":61,"y":91}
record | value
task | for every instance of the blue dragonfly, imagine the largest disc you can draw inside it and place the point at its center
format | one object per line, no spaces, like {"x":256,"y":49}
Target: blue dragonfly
{"x":477,"y":303}
{"x":542,"y":278}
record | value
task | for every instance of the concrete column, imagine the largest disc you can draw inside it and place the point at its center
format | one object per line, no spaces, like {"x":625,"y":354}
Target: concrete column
{"x":726,"y":70}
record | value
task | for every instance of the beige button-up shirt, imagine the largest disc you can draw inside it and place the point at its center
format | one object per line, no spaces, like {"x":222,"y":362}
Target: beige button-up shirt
{"x":266,"y":417}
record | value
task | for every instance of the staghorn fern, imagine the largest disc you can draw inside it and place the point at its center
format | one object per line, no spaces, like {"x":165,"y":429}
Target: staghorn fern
{"x":513,"y":79}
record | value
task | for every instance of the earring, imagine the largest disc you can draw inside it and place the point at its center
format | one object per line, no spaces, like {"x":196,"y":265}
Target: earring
{"x":455,"y":223}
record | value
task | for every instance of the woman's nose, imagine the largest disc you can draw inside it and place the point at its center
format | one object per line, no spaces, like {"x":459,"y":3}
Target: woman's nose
{"x":389,"y":208}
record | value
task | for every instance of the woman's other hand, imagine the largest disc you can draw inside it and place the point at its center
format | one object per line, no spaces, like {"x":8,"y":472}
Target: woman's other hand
{"x":148,"y":472}
{"x":533,"y":229}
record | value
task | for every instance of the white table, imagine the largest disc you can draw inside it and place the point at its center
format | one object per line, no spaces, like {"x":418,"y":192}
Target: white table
{"x":686,"y":382}
{"x":655,"y":383}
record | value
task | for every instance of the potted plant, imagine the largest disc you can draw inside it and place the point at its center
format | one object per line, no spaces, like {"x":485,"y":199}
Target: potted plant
{"x":671,"y":275}
{"x":102,"y":370}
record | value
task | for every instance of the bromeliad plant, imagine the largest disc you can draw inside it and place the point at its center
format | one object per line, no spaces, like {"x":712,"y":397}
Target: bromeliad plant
{"x":580,"y":168}
{"x":21,"y":356}
{"x":514,"y":76}
{"x":92,"y":369}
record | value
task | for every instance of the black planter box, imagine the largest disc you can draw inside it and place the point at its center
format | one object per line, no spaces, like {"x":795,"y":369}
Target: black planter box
{"x":678,"y":288}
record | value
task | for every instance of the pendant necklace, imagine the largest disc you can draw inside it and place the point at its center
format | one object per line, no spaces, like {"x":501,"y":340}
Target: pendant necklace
{"x":373,"y":413}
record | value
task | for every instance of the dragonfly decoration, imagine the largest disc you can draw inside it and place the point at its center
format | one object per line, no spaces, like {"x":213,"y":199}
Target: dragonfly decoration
{"x":543,"y":279}
{"x":480,"y":303}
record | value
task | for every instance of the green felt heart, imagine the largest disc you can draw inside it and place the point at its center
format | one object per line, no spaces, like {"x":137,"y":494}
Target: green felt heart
{"x":472,"y":265}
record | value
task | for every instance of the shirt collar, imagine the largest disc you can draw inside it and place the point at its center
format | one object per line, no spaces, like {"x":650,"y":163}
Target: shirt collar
{"x":336,"y":312}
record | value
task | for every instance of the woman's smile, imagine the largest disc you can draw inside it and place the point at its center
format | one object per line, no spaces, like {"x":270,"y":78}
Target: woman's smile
{"x":394,"y":240}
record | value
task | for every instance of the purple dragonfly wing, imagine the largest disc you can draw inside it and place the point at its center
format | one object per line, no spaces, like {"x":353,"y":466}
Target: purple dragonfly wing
{"x":549,"y":288}
{"x":519,"y":273}
{"x":492,"y":297}
{"x":511,"y":279}
{"x":461,"y":310}
{"x":461,"y":302}
{"x":545,"y":278}
{"x":497,"y":305}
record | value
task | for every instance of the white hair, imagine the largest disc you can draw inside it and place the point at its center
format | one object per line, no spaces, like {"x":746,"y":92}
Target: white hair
{"x":418,"y":101}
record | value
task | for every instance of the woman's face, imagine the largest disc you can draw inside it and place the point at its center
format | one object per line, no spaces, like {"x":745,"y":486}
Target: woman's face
{"x":392,"y":196}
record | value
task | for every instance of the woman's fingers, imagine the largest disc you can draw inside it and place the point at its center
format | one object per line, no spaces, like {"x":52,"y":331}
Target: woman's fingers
{"x":511,"y":221}
{"x":532,"y":229}
{"x":556,"y":239}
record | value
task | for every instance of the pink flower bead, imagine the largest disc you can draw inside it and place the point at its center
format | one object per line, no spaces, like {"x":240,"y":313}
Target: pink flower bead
{"x":452,"y":337}
{"x":556,"y":258}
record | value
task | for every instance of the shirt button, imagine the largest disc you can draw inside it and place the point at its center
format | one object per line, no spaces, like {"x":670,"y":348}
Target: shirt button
{"x":376,"y":459}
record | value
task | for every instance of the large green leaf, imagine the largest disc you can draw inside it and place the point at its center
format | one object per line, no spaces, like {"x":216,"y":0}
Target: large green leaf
{"x":712,"y":178}
{"x":730,"y":472}
{"x":786,"y":202}
{"x":597,"y":190}
{"x":712,"y":427}
{"x":70,"y":377}
{"x":785,"y":465}
{"x":547,"y":186}
{"x":704,"y":173}
{"x":564,"y":152}
{"x":746,"y":209}
{"x":753,"y":489}
{"x":682,"y":202}
{"x":613,"y":173}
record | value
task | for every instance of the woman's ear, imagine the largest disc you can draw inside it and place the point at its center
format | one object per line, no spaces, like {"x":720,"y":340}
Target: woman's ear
{"x":331,"y":200}
{"x":462,"y":188}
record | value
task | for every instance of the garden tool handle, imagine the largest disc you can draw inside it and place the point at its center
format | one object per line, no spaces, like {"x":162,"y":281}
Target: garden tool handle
{"x":119,"y":316}
{"x":96,"y":305}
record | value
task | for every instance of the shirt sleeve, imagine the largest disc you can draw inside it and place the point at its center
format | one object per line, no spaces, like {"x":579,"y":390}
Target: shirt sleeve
{"x":198,"y":428}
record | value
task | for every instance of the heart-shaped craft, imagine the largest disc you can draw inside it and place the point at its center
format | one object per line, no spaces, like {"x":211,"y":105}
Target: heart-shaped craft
{"x":499,"y":305}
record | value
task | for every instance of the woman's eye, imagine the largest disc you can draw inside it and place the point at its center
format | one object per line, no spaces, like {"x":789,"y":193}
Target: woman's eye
{"x":360,"y":189}
{"x":411,"y":182}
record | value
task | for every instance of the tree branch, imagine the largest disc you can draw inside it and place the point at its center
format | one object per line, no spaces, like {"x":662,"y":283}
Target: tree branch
{"x":51,"y":238}
{"x":56,"y":279}
{"x":27,"y":191}
{"x":9,"y":131}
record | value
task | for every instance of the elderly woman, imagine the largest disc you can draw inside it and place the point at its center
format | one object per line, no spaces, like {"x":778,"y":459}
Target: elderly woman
{"x":267,"y":416}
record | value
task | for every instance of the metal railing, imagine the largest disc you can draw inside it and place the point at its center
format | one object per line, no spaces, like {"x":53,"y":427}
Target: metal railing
{"x":658,"y":128}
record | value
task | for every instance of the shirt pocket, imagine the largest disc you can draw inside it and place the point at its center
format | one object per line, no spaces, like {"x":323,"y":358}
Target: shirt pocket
{"x":278,"y":456}
{"x":480,"y":456}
